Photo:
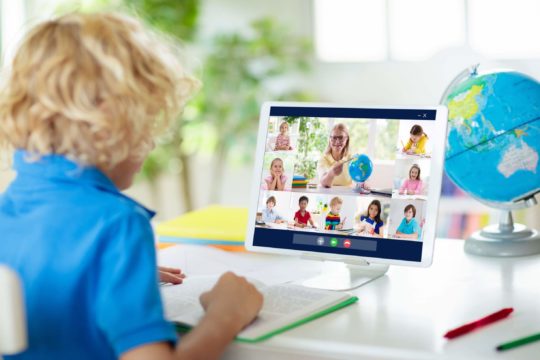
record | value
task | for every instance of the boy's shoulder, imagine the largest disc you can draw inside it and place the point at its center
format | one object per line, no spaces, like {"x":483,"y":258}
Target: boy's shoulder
{"x":113,"y":204}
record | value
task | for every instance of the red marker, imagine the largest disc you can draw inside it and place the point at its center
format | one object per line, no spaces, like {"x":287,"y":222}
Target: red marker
{"x":467,"y":328}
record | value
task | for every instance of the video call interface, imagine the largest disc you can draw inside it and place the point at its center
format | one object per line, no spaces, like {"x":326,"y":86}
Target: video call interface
{"x":346,"y":181}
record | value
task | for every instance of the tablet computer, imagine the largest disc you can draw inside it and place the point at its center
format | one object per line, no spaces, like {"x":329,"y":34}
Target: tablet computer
{"x":348,"y":182}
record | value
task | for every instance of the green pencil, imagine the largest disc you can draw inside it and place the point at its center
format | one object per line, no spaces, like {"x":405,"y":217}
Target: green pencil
{"x":515,"y":343}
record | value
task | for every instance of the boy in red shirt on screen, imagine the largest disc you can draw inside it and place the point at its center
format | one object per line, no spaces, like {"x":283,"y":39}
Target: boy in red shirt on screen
{"x":302,"y":217}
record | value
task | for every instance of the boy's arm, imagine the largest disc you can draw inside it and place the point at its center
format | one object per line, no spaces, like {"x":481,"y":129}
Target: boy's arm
{"x":230,"y":305}
{"x":408,"y":236}
{"x":206,"y":341}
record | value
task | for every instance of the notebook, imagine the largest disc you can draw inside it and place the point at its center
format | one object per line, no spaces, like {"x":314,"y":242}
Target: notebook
{"x":285,"y":306}
{"x":219,"y":226}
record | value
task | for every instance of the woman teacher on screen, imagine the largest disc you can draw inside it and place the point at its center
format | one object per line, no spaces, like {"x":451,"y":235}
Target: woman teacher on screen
{"x":330,"y":167}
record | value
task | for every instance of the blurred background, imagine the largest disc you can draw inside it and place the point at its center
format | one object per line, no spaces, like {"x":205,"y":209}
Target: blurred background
{"x":368,"y":52}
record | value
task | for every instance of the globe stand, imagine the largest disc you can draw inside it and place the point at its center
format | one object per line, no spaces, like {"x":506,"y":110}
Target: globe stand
{"x":504,"y":239}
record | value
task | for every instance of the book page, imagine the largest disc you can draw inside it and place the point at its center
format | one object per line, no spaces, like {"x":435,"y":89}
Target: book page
{"x":283,"y":304}
{"x":181,"y":302}
{"x":287,"y":303}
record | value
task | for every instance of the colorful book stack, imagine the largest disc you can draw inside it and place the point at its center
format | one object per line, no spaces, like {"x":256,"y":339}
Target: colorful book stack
{"x":299,"y":181}
{"x":218,"y":226}
{"x":462,"y":222}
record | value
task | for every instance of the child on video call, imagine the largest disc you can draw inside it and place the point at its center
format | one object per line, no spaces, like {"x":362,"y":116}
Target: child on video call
{"x":276,"y":180}
{"x":409,"y":228}
{"x":302,"y":217}
{"x":269,"y":214}
{"x":283,"y":142}
{"x":413,"y":185}
{"x":371,"y":223}
{"x":417,"y":141}
{"x":333,"y":220}
{"x":84,"y":97}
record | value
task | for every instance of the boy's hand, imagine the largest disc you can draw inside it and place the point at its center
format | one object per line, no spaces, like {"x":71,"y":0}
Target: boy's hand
{"x":233,"y":300}
{"x":171,"y":275}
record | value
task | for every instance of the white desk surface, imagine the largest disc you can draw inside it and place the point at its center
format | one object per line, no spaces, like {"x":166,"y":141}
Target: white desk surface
{"x":405,"y":314}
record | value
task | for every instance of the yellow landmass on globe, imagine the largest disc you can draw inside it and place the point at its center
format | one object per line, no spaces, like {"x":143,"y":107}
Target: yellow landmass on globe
{"x":519,"y":133}
{"x":464,"y":106}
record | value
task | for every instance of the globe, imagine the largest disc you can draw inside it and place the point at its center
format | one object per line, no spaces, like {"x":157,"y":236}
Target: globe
{"x":493,"y":146}
{"x":360,"y":168}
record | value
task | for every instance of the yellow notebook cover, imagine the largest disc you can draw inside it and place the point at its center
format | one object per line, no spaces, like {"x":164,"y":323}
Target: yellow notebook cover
{"x":221,"y":223}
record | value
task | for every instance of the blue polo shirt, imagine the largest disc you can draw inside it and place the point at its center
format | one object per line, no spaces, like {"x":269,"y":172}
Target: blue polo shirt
{"x":86,"y":257}
{"x":410,"y":227}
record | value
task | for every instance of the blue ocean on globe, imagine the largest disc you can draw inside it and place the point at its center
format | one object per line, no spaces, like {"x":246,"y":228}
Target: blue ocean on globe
{"x":493,"y":143}
{"x":360,"y":168}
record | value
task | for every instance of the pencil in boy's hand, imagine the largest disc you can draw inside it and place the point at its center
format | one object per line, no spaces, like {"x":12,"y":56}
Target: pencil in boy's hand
{"x":467,"y":328}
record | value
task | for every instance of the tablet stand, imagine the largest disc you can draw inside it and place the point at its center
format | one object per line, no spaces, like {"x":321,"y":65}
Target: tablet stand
{"x":344,"y":275}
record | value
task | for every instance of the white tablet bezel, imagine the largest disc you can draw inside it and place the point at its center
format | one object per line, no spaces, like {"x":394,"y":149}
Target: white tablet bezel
{"x":438,"y":138}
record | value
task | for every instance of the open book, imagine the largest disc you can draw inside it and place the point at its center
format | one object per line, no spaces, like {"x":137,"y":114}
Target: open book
{"x":285,"y":306}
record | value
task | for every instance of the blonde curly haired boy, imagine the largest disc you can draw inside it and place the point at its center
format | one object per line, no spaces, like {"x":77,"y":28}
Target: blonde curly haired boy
{"x":84,"y":97}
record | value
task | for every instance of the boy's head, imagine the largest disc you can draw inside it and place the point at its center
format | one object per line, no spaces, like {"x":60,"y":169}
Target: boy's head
{"x":271,"y":202}
{"x":95,"y":88}
{"x":335,"y":204}
{"x":409,"y":211}
{"x":303,"y":202}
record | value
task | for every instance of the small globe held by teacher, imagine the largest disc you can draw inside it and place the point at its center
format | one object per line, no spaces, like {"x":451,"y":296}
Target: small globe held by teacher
{"x":360,"y":168}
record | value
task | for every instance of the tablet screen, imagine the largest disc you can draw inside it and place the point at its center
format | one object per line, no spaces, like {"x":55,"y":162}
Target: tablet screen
{"x":353,"y":181}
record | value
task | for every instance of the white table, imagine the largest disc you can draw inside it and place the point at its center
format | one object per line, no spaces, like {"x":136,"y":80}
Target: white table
{"x":405,"y":314}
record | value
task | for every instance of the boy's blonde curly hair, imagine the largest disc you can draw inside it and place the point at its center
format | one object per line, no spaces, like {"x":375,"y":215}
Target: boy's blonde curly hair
{"x":94,"y":87}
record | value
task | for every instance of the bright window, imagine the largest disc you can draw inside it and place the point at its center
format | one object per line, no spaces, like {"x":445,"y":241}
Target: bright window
{"x":415,"y":30}
{"x":350,"y":30}
{"x":421,"y":28}
{"x":505,"y":29}
{"x":12,"y":18}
